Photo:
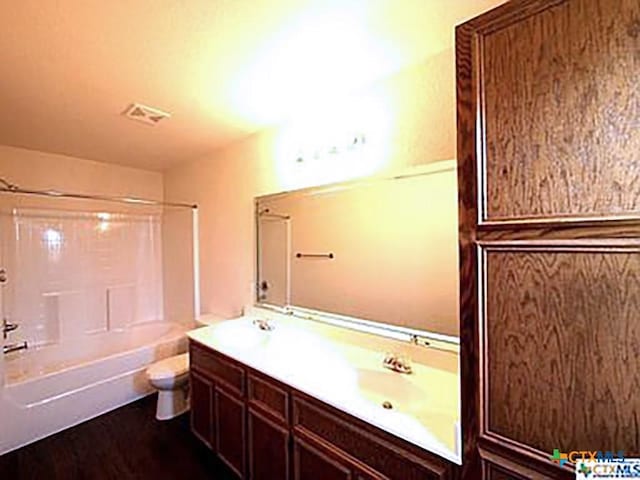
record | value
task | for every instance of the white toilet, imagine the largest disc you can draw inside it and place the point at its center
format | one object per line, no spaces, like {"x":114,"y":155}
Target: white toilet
{"x":170,"y":377}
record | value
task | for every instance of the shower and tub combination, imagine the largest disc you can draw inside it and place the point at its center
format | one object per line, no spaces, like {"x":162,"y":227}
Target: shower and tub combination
{"x":93,"y":289}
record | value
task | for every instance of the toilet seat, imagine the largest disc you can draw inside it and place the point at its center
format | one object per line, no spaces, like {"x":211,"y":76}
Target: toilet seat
{"x":171,"y":367}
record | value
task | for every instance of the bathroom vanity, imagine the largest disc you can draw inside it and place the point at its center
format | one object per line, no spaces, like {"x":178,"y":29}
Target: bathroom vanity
{"x":337,"y":373}
{"x":270,"y":417}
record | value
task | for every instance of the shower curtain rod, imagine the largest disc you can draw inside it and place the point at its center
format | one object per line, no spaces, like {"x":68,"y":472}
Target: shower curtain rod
{"x":7,"y":187}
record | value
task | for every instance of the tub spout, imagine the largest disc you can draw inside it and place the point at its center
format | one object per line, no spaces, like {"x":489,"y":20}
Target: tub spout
{"x":14,"y":347}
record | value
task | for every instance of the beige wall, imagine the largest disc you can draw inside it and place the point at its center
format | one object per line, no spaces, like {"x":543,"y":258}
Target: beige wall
{"x":41,"y":170}
{"x":408,"y":119}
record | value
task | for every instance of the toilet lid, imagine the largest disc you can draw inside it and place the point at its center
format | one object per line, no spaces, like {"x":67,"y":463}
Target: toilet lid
{"x":169,"y":367}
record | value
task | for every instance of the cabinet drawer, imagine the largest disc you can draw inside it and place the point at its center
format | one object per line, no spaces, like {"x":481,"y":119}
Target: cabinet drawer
{"x":350,"y":436}
{"x":213,"y":365}
{"x":269,"y":397}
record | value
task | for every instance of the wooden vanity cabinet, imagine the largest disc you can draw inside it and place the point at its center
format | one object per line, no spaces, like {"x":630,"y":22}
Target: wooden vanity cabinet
{"x":367,"y":451}
{"x":268,"y":447}
{"x":202,"y":408}
{"x":269,"y":435}
{"x":265,"y":430}
{"x":229,"y":428}
{"x":315,"y":459}
{"x":218,"y":411}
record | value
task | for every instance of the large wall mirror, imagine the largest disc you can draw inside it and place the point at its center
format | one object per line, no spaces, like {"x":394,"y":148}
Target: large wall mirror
{"x":383,"y":250}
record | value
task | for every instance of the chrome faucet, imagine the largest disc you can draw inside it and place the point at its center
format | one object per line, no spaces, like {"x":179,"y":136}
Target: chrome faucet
{"x":14,"y":347}
{"x":397,"y":363}
{"x":7,"y":327}
{"x":263,"y":324}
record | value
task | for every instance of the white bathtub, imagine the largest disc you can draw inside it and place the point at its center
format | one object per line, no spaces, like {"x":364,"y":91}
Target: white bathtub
{"x":52,"y":388}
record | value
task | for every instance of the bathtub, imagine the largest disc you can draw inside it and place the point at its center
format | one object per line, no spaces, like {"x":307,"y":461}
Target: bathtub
{"x":49,"y":389}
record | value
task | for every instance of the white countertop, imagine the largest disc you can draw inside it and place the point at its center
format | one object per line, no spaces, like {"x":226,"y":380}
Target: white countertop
{"x":348,"y":377}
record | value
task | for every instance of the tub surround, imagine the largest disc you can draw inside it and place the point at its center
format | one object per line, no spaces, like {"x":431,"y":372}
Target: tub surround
{"x":343,"y":369}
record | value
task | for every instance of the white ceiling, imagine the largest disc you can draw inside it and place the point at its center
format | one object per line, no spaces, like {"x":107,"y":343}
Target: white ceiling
{"x":222,"y":68}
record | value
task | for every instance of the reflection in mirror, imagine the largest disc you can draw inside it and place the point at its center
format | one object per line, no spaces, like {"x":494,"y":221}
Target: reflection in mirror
{"x":382,"y":250}
{"x":274,"y":231}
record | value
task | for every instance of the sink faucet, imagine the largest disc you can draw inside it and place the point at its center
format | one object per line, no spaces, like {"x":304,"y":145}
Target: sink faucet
{"x":263,"y":324}
{"x":397,"y":363}
{"x":7,"y":327}
{"x":14,"y":347}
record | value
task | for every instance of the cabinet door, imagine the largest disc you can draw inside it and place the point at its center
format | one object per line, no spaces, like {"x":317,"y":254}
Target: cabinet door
{"x":229,"y":426}
{"x":549,"y":194}
{"x":268,"y":448}
{"x":202,"y":408}
{"x":313,"y":460}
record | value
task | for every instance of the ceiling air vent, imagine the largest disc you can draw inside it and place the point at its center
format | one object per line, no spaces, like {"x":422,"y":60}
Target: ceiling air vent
{"x":144,"y":114}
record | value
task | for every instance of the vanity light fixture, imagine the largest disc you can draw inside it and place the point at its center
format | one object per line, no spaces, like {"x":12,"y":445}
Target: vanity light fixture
{"x":352,"y":143}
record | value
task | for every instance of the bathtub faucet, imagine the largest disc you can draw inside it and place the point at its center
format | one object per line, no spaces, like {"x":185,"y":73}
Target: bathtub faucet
{"x":14,"y":347}
{"x":7,"y":327}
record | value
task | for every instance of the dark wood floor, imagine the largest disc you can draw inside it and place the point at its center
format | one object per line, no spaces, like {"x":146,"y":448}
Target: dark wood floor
{"x":128,"y":443}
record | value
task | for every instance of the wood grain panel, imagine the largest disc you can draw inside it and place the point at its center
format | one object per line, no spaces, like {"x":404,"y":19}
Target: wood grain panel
{"x":230,"y":430}
{"x":562,"y":112}
{"x":467,"y":215}
{"x":314,"y":461}
{"x":494,"y":472}
{"x":202,"y":408}
{"x":379,"y":454}
{"x":563,"y":342}
{"x":268,"y":448}
{"x":212,"y":364}
{"x":266,"y":395}
{"x":502,"y":460}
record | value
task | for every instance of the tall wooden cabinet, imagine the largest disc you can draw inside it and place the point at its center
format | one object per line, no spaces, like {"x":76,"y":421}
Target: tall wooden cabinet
{"x":548,"y":96}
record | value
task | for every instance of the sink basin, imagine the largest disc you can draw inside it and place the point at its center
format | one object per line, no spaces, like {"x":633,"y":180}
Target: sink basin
{"x":240,"y":335}
{"x":380,"y":386}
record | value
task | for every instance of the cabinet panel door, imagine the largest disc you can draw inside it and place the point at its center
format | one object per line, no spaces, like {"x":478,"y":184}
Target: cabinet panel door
{"x":550,"y":313}
{"x":268,"y":448}
{"x":229,"y":422}
{"x":202,"y":408}
{"x":314,"y":461}
{"x":549,"y":197}
{"x":560,"y":104}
